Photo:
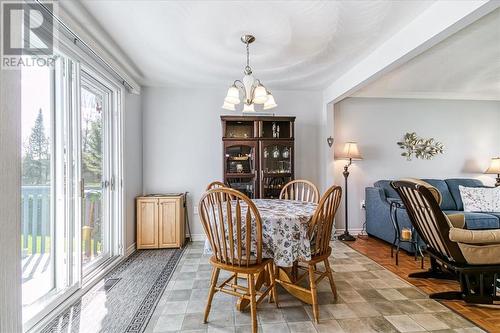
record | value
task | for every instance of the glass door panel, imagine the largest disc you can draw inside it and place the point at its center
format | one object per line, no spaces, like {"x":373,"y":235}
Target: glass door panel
{"x":239,"y":129}
{"x":239,"y":166}
{"x":276,"y":167}
{"x":37,"y":195}
{"x":94,"y":102}
{"x":239,"y":159}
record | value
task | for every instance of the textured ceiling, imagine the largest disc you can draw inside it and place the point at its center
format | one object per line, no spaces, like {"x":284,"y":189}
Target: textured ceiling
{"x":300,"y":44}
{"x":466,"y":65}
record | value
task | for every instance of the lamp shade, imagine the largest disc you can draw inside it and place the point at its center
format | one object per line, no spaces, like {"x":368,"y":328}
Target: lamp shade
{"x":233,"y":95}
{"x":248,"y":107}
{"x":260,"y":95}
{"x":351,"y":151}
{"x":270,"y":103}
{"x":228,"y":106}
{"x":494,"y":166}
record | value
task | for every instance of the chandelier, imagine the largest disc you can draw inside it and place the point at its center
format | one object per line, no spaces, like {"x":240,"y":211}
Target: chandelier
{"x":252,"y":90}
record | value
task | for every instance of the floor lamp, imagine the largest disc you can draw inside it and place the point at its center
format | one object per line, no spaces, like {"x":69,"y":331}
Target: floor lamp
{"x":350,"y":153}
{"x":494,"y":168}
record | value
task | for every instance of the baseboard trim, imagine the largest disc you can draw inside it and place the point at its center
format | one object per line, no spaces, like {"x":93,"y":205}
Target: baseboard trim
{"x":197,"y":237}
{"x":354,"y":231}
{"x":131,"y":249}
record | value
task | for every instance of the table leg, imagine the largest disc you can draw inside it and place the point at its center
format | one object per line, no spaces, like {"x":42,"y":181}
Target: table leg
{"x":394,"y":219}
{"x":397,"y":254}
{"x":287,"y":281}
{"x":261,"y":279}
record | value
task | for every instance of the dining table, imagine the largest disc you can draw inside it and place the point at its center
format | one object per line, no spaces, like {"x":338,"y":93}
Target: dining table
{"x":285,"y":239}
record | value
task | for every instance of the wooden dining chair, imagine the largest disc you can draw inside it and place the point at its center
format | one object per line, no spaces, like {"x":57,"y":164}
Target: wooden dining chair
{"x":320,"y":234}
{"x":215,"y":184}
{"x":301,"y":190}
{"x":234,"y":230}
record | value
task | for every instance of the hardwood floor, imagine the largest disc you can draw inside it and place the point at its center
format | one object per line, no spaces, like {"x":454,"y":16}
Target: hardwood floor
{"x":487,"y":317}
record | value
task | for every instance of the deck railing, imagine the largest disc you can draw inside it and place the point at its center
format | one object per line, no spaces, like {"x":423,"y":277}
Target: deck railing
{"x":35,"y":217}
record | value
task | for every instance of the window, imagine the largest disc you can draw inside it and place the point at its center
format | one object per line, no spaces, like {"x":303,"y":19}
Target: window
{"x":71,"y":202}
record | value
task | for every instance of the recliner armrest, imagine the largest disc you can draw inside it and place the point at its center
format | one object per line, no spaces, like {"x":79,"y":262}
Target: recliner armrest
{"x":460,"y":235}
{"x":456,"y":220}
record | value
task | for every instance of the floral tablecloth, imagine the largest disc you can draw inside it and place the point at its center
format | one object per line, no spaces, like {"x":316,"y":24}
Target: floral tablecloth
{"x":284,"y":230}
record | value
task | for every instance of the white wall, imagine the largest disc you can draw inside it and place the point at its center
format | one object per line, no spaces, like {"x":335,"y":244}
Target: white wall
{"x":182,"y":146}
{"x":132,"y":162}
{"x":468,"y":129}
{"x":10,"y":201}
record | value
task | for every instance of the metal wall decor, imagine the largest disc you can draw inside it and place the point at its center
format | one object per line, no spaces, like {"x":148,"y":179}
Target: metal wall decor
{"x":421,"y":148}
{"x":329,"y":140}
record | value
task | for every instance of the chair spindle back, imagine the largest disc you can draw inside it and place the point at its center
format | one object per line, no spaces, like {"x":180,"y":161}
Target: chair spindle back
{"x":320,"y":228}
{"x":215,"y":184}
{"x":428,"y":219}
{"x":232,"y":225}
{"x":301,"y":190}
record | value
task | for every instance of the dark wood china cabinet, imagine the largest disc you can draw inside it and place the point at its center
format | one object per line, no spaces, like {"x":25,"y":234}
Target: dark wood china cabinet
{"x":258,"y":154}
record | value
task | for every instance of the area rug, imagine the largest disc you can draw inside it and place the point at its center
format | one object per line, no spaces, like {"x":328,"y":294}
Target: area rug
{"x":124,"y":300}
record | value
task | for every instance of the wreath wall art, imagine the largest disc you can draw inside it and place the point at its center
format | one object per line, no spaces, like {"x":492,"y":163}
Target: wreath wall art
{"x":418,"y":147}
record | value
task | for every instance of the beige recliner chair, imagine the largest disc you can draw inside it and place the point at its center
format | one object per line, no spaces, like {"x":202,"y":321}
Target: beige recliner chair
{"x":472,"y":256}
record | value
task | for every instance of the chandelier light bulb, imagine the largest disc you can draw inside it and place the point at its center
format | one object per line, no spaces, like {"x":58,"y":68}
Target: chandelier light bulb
{"x":260,"y":95}
{"x":233,"y":95}
{"x":228,"y":106}
{"x":248,"y":108}
{"x":270,"y":103}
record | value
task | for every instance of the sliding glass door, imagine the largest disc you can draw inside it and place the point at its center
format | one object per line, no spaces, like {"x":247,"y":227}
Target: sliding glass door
{"x":96,"y":168}
{"x":71,"y":220}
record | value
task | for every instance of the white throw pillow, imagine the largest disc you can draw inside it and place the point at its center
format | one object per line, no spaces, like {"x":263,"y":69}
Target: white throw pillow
{"x":480,"y":199}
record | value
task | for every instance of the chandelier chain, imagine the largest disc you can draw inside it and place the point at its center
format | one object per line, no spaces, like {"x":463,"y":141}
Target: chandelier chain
{"x":248,"y":69}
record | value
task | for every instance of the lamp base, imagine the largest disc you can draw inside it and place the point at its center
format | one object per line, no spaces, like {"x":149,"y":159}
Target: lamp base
{"x":347,"y":237}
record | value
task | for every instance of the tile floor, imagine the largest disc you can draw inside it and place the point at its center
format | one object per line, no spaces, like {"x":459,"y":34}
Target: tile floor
{"x":371,"y":299}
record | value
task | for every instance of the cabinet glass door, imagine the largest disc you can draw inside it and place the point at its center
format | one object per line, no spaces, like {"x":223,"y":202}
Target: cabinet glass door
{"x":276,"y":167}
{"x":239,"y":166}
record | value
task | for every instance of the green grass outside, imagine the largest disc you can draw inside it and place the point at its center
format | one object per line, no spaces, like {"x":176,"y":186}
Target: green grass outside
{"x":38,"y":244}
{"x":38,"y":248}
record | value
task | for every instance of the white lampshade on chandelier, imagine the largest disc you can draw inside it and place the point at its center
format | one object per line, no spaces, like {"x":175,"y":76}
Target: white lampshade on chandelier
{"x":252,"y":90}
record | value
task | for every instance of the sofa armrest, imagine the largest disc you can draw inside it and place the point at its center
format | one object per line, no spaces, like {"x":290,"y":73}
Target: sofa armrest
{"x":475,"y":236}
{"x":376,"y":193}
{"x":456,"y":220}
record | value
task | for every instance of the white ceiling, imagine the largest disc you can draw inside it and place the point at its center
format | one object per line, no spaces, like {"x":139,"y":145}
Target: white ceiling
{"x":300,"y":44}
{"x":463,"y":66}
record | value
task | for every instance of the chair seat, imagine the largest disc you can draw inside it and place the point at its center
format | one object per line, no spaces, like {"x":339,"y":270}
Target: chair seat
{"x":475,"y":221}
{"x":318,"y":258}
{"x":252,"y":268}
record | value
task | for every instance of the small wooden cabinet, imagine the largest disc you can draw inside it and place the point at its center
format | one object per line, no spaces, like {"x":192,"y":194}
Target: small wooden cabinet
{"x":160,"y":221}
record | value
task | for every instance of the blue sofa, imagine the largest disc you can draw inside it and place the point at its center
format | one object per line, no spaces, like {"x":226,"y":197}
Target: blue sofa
{"x":378,"y":197}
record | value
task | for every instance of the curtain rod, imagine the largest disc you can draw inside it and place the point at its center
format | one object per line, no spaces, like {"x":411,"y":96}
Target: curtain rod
{"x":77,"y":40}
